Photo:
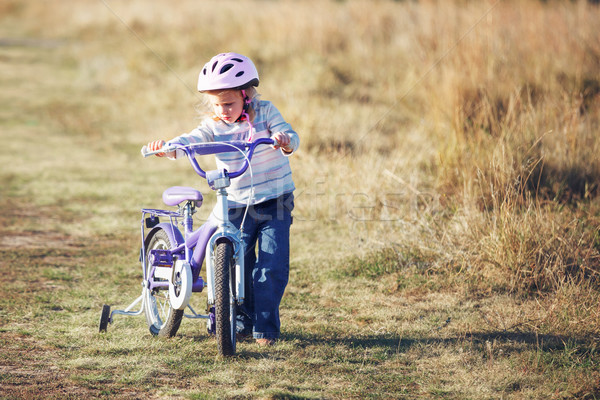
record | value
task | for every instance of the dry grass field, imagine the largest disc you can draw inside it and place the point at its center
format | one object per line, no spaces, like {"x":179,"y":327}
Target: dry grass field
{"x":446,"y":238}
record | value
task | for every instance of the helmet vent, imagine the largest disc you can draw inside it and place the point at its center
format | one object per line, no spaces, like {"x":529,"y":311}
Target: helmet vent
{"x":225,"y":68}
{"x":239,"y":74}
{"x":237,"y":59}
{"x":214,"y":66}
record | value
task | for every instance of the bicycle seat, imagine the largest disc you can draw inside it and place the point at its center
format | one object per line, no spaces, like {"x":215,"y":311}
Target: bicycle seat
{"x":178,"y":194}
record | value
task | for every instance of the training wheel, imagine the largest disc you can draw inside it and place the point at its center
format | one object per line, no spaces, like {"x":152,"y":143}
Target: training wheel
{"x":104,"y":318}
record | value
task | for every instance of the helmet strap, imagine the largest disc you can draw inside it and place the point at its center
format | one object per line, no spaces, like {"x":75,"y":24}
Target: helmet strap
{"x":245,"y":115}
{"x":246,"y":100}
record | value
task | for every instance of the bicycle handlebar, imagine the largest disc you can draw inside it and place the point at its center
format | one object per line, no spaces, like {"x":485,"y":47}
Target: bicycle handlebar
{"x":205,"y":148}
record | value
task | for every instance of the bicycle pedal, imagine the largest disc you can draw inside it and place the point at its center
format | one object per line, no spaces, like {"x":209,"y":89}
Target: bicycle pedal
{"x":211,"y":322}
{"x":161,"y":258}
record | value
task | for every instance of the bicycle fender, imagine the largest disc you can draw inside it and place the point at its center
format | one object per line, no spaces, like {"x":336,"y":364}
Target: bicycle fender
{"x":172,"y":231}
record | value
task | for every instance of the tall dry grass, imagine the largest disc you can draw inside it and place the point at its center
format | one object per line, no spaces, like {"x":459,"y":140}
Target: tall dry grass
{"x":522,"y":151}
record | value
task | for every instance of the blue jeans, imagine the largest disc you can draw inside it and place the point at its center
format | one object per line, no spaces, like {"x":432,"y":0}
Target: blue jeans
{"x":266,"y":237}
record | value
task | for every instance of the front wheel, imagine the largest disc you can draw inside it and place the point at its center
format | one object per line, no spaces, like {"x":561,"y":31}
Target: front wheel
{"x":162,"y":319}
{"x":225,"y":310}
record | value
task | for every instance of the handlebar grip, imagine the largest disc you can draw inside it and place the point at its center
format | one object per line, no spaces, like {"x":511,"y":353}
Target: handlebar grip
{"x":146,"y":152}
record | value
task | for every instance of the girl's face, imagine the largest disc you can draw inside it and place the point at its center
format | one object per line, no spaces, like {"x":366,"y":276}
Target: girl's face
{"x":228,"y":105}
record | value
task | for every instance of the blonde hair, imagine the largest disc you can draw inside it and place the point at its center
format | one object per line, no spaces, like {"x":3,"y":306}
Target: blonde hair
{"x":251,"y":93}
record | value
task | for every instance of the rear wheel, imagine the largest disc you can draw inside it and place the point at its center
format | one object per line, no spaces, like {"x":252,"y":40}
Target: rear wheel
{"x":162,"y":319}
{"x":225,"y":310}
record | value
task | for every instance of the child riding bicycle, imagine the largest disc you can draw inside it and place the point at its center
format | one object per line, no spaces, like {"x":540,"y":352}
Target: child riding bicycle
{"x":263,"y":194}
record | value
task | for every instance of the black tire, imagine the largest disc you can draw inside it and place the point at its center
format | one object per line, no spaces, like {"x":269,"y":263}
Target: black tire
{"x":162,"y":319}
{"x":224,"y":305}
{"x":104,"y":318}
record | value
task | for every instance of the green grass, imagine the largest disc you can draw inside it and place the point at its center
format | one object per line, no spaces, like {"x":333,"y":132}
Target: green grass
{"x":445,"y":242}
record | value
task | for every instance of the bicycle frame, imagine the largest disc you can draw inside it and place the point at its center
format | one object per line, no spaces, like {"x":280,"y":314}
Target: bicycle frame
{"x":193,"y":246}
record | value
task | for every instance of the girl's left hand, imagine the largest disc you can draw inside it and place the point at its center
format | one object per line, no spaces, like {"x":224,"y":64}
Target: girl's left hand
{"x":155,"y":146}
{"x":282,"y":140}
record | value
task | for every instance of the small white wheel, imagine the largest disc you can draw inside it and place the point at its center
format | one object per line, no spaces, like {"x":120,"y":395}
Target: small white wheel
{"x":180,"y":288}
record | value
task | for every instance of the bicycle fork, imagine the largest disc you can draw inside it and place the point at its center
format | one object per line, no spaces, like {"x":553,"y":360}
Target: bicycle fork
{"x":226,"y":231}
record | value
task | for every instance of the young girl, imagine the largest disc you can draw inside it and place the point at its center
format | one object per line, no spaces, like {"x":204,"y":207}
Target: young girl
{"x":229,"y":81}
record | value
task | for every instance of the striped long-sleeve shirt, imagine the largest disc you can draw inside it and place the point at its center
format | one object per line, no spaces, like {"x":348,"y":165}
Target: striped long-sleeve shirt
{"x":271,"y":172}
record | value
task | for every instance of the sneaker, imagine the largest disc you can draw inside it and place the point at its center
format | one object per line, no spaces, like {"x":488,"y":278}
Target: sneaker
{"x":242,"y":332}
{"x":265,"y":342}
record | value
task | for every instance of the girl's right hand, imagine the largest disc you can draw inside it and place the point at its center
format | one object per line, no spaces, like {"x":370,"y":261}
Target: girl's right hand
{"x":156,"y":145}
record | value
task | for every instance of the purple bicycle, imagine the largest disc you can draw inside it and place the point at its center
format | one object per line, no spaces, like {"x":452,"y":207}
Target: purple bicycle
{"x":171,"y":261}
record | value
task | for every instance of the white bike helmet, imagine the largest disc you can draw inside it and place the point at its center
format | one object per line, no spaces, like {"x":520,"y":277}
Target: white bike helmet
{"x":228,"y":71}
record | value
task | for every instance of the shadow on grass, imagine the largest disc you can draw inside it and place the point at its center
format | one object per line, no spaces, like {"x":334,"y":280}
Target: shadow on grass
{"x":510,"y":341}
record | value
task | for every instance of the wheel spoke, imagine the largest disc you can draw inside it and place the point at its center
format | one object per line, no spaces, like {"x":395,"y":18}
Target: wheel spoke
{"x":164,"y":304}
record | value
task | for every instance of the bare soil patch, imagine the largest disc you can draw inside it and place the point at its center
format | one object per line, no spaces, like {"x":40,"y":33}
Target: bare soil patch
{"x":29,"y":370}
